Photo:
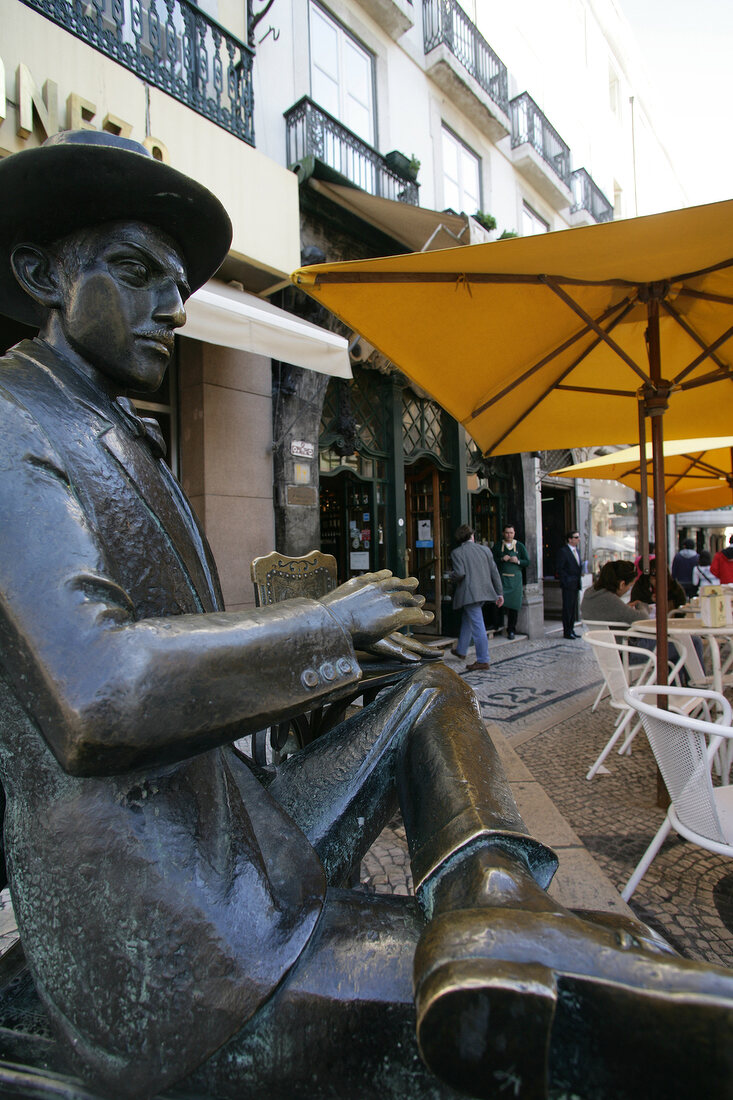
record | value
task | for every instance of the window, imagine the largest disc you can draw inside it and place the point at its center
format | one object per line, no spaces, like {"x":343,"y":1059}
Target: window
{"x":531,"y":221}
{"x":341,"y":75}
{"x":461,"y":176}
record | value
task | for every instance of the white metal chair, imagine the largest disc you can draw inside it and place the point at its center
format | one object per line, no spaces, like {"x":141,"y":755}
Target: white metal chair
{"x":610,"y":655}
{"x":600,"y":624}
{"x":684,"y":748}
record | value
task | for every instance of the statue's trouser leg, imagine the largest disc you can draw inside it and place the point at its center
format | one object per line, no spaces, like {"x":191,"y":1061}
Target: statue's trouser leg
{"x":425,"y":740}
{"x":512,"y":991}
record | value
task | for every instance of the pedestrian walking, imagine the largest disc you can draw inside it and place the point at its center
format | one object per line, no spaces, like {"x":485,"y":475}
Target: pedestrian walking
{"x":478,"y":582}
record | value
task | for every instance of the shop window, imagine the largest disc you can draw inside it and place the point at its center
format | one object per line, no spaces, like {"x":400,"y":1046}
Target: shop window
{"x":342,"y":74}
{"x":423,"y":428}
{"x":461,"y":176}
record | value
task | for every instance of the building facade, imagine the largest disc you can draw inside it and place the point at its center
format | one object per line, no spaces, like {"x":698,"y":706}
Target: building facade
{"x":343,"y":130}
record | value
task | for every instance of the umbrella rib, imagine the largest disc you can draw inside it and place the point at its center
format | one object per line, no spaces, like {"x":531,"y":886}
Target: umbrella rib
{"x":549,"y":280}
{"x":548,"y":358}
{"x":706,"y":353}
{"x":593,"y":344}
{"x":706,"y":296}
{"x":675,"y":479}
{"x":592,"y":389}
{"x":705,"y":379}
{"x":703,"y":271}
{"x":452,"y":277}
{"x":691,"y":332}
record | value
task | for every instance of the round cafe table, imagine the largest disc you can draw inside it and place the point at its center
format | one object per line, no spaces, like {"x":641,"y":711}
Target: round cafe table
{"x":682,"y":629}
{"x":685,"y":626}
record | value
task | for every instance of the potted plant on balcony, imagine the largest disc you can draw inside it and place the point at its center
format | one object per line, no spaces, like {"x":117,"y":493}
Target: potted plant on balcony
{"x":413,"y":168}
{"x":488,"y":221}
{"x":406,"y":168}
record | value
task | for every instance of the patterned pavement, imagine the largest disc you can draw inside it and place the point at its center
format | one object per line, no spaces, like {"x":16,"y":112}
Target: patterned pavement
{"x":539,"y":694}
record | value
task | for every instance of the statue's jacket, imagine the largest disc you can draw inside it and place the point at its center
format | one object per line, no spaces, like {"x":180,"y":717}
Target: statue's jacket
{"x":161,"y":893}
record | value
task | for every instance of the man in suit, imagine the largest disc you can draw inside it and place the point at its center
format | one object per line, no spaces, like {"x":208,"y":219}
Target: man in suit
{"x":179,"y":910}
{"x":569,"y":570}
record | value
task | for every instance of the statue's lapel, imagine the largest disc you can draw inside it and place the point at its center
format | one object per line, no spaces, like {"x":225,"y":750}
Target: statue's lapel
{"x":167,"y":505}
{"x":166,"y":527}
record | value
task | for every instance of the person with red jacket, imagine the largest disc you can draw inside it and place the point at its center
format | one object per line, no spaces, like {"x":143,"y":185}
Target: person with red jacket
{"x":722,"y":564}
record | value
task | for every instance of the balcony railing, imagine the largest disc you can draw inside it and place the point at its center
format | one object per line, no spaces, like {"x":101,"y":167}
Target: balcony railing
{"x":444,"y":21}
{"x":590,"y":197}
{"x":312,"y":132}
{"x":530,"y":125}
{"x":172,"y":45}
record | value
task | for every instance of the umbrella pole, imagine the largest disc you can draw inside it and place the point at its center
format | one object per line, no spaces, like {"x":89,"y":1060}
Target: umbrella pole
{"x":655,"y":409}
{"x":644,"y":506}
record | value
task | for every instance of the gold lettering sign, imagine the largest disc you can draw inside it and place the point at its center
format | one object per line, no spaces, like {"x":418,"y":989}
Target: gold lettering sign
{"x":40,"y":106}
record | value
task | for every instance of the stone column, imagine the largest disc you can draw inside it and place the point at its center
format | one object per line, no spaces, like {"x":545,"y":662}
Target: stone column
{"x":531,"y":616}
{"x":297,"y":405}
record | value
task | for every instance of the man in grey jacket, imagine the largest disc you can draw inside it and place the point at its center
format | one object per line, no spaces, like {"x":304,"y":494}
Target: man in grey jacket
{"x":478,"y":582}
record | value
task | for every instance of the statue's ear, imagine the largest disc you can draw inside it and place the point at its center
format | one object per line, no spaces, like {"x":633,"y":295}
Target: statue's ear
{"x":38,"y":274}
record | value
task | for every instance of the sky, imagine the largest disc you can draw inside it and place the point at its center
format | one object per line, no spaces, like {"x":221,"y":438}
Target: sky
{"x":688,"y":51}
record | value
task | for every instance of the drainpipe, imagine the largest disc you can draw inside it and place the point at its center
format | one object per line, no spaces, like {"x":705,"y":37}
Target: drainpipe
{"x":633,"y":155}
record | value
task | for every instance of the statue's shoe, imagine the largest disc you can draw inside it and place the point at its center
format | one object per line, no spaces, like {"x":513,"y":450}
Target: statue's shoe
{"x":513,"y":1003}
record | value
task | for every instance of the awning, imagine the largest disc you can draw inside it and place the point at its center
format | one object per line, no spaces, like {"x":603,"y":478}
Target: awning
{"x":231,"y":318}
{"x":418,"y":228}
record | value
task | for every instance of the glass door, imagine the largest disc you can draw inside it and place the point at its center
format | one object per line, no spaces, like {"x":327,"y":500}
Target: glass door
{"x":428,"y":536}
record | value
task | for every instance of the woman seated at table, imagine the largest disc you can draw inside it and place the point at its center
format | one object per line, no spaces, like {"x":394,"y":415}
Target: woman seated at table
{"x":645,"y":588}
{"x":602,"y":602}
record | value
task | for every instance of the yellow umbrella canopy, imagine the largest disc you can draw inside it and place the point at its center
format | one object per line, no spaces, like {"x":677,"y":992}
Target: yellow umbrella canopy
{"x":698,"y":473}
{"x":564,"y":339}
{"x":509,"y":336}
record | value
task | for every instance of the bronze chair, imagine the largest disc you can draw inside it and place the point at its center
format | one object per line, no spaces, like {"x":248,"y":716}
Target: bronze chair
{"x":279,"y":577}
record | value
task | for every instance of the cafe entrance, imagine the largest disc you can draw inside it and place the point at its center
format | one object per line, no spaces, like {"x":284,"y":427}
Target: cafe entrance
{"x":428,"y":520}
{"x":352,"y":523}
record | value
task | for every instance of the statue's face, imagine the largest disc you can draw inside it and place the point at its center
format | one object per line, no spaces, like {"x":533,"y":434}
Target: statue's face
{"x":123,"y":300}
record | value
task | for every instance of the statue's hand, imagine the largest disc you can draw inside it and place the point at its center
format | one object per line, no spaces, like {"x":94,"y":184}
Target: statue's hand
{"x":375,"y":605}
{"x":402,"y":648}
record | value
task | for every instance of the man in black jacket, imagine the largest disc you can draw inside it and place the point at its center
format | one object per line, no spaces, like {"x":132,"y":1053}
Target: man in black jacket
{"x":569,"y":571}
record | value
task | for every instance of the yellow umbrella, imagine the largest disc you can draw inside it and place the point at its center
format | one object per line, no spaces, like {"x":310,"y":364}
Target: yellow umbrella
{"x":698,"y":473}
{"x":563,"y":339}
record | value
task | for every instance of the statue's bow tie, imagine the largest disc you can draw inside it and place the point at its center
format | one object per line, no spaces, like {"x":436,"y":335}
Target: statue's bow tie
{"x":143,"y":426}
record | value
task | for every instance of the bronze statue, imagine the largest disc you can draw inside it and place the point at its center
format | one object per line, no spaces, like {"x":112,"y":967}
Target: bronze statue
{"x":182,"y":913}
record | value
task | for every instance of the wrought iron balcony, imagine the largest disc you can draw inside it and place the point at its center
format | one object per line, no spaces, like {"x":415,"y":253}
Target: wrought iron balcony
{"x":589,"y":197}
{"x":445,"y":22}
{"x":172,"y":45}
{"x":312,"y":132}
{"x":530,"y":125}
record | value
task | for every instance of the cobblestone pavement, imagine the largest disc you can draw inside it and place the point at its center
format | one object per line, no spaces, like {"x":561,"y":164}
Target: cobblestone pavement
{"x":687,"y":893}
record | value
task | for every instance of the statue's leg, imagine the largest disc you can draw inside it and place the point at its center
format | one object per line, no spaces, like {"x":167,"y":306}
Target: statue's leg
{"x":512,"y":990}
{"x":423,"y":743}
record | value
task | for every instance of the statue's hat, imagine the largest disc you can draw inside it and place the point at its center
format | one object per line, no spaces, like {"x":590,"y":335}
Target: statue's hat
{"x":81,"y":178}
